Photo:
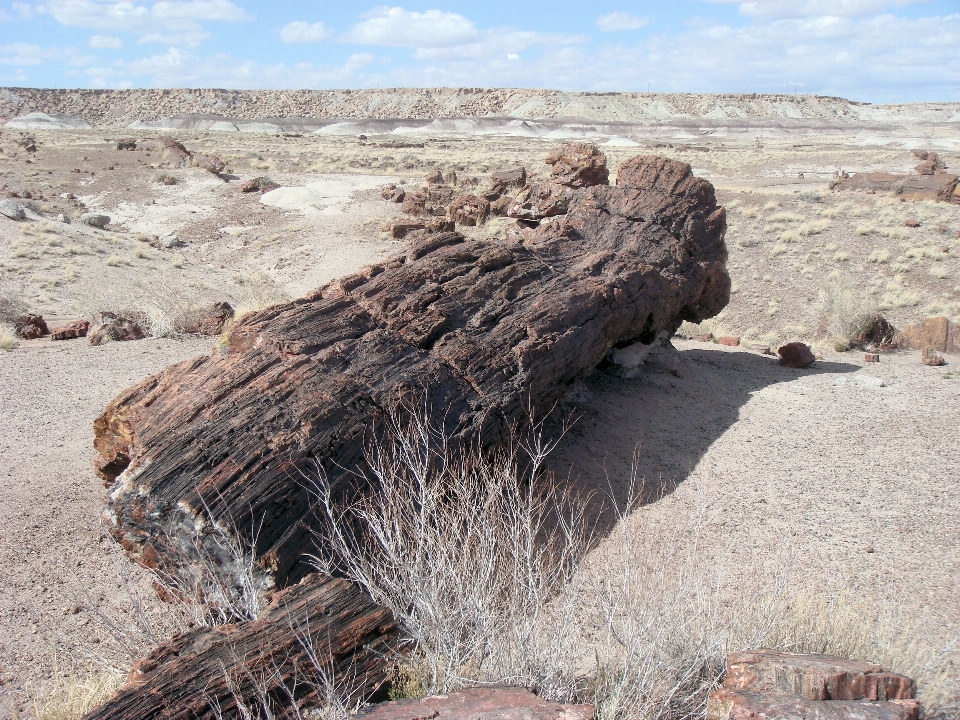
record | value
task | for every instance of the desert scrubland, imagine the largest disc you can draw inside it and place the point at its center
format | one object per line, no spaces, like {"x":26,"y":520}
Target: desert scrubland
{"x":838,"y":481}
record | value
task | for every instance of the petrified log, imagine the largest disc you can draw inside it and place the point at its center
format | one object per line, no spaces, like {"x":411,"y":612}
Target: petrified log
{"x":789,"y":686}
{"x":198,"y":674}
{"x":943,"y":187}
{"x":484,"y":330}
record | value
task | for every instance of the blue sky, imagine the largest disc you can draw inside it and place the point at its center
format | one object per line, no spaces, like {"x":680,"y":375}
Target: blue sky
{"x":870,"y":50}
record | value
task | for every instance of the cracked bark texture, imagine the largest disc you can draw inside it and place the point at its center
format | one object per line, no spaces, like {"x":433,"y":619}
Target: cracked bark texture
{"x":485,"y":330}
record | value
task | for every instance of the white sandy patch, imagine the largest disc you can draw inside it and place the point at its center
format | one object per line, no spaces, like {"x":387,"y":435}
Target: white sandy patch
{"x":329,"y":194}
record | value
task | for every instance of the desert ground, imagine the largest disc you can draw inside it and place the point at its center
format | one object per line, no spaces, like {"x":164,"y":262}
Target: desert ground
{"x":850,"y":469}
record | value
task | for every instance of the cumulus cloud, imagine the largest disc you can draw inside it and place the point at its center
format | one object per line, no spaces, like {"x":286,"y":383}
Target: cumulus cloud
{"x":302,"y":32}
{"x":107,"y":42}
{"x":31,"y":54}
{"x":617,"y":21}
{"x":398,"y":27}
{"x":812,"y":8}
{"x":164,"y":22}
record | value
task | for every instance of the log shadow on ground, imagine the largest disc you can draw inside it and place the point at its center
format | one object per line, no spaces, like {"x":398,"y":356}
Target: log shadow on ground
{"x":646,"y":435}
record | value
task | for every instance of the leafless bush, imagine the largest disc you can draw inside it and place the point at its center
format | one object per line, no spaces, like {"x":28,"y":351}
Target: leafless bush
{"x":12,"y":302}
{"x":492,"y":584}
{"x":849,"y":307}
{"x":471,"y":552}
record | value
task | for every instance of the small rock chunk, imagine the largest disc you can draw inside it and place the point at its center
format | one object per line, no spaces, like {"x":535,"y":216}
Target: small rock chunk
{"x":502,"y":703}
{"x":95,"y":219}
{"x":30,"y":327}
{"x":126,"y":144}
{"x":795,"y":355}
{"x":114,"y":327}
{"x":76,"y":329}
{"x":469,"y":210}
{"x":12,"y":210}
{"x":578,"y":164}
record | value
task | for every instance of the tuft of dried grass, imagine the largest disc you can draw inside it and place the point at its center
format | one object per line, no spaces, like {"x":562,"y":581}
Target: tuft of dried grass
{"x":76,"y":695}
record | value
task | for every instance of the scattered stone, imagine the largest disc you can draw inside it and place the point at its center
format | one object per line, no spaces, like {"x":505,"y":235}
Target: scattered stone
{"x":260,"y":184}
{"x":70,"y":331}
{"x":434,"y":177}
{"x":871,"y":357}
{"x":30,"y":327}
{"x":62,"y":217}
{"x":27,"y":195}
{"x":484,"y":330}
{"x":469,"y":210}
{"x":500,"y":206}
{"x":578,"y":164}
{"x":450,"y":178}
{"x":704,"y":337}
{"x":209,"y":320}
{"x":12,"y":210}
{"x":212,"y":164}
{"x":174,"y":152}
{"x":169,"y":180}
{"x":170,"y":241}
{"x":729,"y":340}
{"x":114,"y":327}
{"x":203,"y":673}
{"x":911,"y":223}
{"x":516,"y":176}
{"x":95,"y":219}
{"x":126,"y":144}
{"x":439,"y":195}
{"x":415,"y":203}
{"x":795,"y":355}
{"x":439,"y":225}
{"x":474,"y":703}
{"x":539,"y":201}
{"x":399,"y":229}
{"x":393,"y":193}
{"x":929,"y":356}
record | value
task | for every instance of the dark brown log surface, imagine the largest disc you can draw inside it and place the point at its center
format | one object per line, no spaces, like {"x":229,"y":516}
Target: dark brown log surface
{"x":485,"y":329}
{"x":193,"y":673}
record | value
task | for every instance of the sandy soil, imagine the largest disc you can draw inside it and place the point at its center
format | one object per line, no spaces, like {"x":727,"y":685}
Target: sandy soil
{"x":837,"y":459}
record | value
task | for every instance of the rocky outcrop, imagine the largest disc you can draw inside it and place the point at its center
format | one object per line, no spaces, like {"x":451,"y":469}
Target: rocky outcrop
{"x":260,"y":184}
{"x":502,"y":703}
{"x":481,"y":331}
{"x":200,"y":675}
{"x":788,"y":686}
{"x":30,"y":327}
{"x":540,"y":200}
{"x":12,"y":210}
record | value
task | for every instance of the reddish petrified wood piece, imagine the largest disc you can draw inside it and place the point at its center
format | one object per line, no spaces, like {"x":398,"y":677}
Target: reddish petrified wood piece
{"x":486,"y":329}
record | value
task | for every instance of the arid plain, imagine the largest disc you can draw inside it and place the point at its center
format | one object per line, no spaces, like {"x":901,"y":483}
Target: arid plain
{"x":844,"y":475}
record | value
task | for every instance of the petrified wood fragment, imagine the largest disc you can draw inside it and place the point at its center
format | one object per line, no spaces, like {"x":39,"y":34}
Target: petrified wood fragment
{"x":196,"y":675}
{"x":484,"y":329}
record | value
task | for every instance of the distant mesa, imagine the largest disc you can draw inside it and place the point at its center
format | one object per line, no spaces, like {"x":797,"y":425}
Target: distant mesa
{"x":48,"y":121}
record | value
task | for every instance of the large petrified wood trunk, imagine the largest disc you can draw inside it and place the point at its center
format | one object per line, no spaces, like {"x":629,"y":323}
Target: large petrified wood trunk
{"x":266,"y":662}
{"x":484,"y":329}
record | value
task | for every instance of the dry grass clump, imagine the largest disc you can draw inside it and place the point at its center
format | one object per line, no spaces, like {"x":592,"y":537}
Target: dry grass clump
{"x":12,"y":301}
{"x":846,"y":304}
{"x":8,"y":339}
{"x":257,"y":291}
{"x":77,"y":695}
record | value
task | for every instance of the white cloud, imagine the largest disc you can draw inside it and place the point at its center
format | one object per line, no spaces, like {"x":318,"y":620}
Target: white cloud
{"x":302,"y":32}
{"x":812,"y":8}
{"x":165,"y":22}
{"x":108,"y":42}
{"x":30,"y":54}
{"x":398,"y":27}
{"x":617,"y":21}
